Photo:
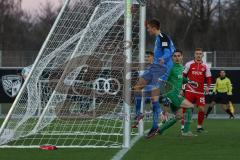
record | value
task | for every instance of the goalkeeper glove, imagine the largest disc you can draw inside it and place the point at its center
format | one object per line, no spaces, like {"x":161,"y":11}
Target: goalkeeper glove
{"x":193,"y":83}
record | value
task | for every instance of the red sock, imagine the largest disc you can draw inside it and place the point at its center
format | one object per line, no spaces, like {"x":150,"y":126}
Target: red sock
{"x":200,"y":117}
{"x":183,"y":111}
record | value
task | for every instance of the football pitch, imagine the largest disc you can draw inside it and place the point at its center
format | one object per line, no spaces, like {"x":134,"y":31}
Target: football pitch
{"x":221,"y":142}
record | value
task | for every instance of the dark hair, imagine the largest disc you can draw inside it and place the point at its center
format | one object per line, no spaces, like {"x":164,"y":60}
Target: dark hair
{"x":178,"y":50}
{"x":149,"y":53}
{"x":154,"y":23}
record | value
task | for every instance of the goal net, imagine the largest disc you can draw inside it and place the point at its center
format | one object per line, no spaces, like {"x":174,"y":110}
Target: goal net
{"x":74,"y":94}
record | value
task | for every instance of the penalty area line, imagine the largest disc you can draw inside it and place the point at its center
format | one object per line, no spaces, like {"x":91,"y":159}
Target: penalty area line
{"x":123,"y":151}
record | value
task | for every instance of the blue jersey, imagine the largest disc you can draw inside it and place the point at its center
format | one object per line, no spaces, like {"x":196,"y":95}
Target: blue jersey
{"x":164,"y":48}
{"x":153,"y":72}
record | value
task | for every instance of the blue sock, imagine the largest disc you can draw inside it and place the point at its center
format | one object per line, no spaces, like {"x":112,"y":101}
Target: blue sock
{"x":156,"y":112}
{"x":138,"y":101}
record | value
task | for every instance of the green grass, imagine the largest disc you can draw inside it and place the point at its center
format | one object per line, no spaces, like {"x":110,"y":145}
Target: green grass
{"x":46,"y":135}
{"x":60,"y":154}
{"x":222,"y":142}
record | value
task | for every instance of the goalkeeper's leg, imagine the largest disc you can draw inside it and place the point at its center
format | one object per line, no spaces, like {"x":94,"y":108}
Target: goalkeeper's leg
{"x":187,"y":120}
{"x":176,"y":102}
{"x":190,"y":97}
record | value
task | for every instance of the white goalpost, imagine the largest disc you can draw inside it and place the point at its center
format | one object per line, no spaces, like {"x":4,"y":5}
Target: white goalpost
{"x":78,"y":93}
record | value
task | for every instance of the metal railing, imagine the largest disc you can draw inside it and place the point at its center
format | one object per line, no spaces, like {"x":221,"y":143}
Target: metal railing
{"x":215,"y":58}
{"x":218,"y":58}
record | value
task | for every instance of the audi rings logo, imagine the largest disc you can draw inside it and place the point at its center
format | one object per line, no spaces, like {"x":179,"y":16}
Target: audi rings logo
{"x":100,"y":85}
{"x":109,"y":86}
{"x":94,"y":77}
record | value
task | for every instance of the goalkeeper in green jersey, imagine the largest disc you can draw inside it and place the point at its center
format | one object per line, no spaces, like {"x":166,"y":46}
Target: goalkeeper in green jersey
{"x":176,"y":100}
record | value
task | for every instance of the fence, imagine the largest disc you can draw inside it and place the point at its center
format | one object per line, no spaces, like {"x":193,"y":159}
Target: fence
{"x":218,"y":58}
{"x":215,"y":58}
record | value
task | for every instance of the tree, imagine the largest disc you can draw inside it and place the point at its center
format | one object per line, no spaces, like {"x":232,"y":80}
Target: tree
{"x":230,"y":26}
{"x":200,"y":15}
{"x":43,"y":23}
{"x":164,"y":11}
{"x":14,"y":25}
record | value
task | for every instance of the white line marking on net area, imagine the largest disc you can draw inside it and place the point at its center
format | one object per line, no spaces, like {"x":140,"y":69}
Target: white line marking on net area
{"x":123,"y":151}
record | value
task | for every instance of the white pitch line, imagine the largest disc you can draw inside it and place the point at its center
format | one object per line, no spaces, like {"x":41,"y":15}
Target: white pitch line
{"x":123,"y":151}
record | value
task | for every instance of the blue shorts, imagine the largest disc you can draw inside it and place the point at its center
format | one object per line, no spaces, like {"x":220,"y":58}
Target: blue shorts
{"x":153,"y":73}
{"x":165,"y":75}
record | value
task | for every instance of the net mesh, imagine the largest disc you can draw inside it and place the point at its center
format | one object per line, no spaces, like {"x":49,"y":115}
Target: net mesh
{"x":74,"y":96}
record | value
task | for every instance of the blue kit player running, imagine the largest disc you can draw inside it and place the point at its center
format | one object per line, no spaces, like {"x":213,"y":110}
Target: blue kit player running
{"x":159,"y":69}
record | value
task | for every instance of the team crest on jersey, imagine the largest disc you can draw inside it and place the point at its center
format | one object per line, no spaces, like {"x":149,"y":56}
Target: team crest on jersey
{"x":11,"y":84}
{"x":164,"y":44}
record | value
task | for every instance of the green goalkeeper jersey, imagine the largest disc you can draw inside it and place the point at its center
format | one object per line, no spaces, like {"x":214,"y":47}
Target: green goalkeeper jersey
{"x":175,"y":77}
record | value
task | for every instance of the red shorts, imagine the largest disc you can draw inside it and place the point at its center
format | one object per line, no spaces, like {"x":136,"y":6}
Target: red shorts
{"x":197,"y":98}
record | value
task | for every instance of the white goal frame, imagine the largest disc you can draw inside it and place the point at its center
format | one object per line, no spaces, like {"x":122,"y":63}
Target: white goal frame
{"x":128,"y":52}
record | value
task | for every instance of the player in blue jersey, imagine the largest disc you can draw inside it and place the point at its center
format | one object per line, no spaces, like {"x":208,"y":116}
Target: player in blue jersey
{"x":164,"y":47}
{"x":159,"y":69}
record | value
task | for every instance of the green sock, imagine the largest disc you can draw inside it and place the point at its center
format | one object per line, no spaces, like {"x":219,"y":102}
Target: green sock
{"x":167,"y":125}
{"x":187,"y":120}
